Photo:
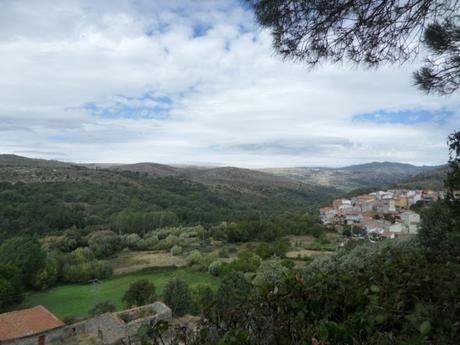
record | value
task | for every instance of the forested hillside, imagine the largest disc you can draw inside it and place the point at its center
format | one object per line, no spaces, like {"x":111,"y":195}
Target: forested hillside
{"x":38,"y":197}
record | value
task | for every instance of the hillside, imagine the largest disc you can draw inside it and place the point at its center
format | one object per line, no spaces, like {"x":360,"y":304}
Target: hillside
{"x":53,"y":196}
{"x":432,"y":179}
{"x":222,"y":178}
{"x":354,"y":176}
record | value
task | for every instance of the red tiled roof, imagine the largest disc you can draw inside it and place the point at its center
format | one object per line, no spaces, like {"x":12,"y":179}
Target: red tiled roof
{"x":27,"y":322}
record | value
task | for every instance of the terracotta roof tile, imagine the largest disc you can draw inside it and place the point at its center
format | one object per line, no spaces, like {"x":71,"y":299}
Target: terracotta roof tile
{"x":27,"y":322}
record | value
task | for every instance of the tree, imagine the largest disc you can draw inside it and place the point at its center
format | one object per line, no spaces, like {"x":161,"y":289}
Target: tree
{"x":440,"y":229}
{"x":26,"y":254}
{"x":176,"y":295}
{"x":369,"y":33}
{"x":11,"y":291}
{"x":441,"y":72}
{"x":203,"y":297}
{"x":48,"y":276}
{"x":104,"y":243}
{"x":101,"y":308}
{"x":140,"y":293}
{"x":233,"y":292}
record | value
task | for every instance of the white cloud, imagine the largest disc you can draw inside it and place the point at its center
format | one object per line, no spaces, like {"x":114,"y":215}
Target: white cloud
{"x":234,"y":101}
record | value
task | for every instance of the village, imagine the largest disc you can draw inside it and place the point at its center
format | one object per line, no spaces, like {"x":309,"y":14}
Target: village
{"x":379,"y":215}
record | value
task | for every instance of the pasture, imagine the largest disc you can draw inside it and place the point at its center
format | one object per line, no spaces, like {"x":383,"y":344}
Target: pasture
{"x":75,"y":300}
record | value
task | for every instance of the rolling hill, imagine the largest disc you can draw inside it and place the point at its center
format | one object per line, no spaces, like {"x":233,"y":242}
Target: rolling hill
{"x":355,"y":176}
{"x":39,"y":196}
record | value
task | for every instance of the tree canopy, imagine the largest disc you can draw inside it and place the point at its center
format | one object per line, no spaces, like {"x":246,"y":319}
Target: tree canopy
{"x":369,"y":33}
{"x":140,"y":292}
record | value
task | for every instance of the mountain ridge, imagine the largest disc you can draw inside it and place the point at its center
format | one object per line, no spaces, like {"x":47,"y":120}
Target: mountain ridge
{"x":24,"y":169}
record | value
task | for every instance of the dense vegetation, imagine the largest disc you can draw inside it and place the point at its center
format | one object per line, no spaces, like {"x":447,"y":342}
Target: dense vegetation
{"x":139,"y":204}
{"x":392,"y":292}
{"x":397,"y":292}
{"x":65,"y":223}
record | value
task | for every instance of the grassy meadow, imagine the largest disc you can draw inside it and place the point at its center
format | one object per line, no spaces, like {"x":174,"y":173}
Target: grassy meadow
{"x":75,"y":300}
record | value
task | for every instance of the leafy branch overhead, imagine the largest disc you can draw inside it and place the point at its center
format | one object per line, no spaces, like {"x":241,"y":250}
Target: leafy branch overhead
{"x":369,"y":33}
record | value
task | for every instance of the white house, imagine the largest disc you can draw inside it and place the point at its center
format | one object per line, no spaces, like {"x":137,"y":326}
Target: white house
{"x":411,"y":220}
{"x":397,"y":228}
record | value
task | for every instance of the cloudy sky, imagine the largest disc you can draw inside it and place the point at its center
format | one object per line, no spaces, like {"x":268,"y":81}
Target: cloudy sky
{"x":196,"y":82}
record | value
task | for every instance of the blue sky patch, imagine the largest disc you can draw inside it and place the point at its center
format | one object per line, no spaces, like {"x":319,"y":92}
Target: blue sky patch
{"x":146,"y":106}
{"x":405,"y":117}
{"x":200,"y":30}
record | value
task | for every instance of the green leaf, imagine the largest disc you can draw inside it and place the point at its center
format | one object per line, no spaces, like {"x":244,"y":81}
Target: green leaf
{"x":323,"y":332}
{"x":425,"y":328}
{"x":375,"y":289}
{"x":380,"y":318}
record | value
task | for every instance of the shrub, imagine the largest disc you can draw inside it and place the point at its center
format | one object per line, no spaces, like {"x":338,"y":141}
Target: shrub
{"x":140,"y":293}
{"x":203,"y":297}
{"x":194,"y":257}
{"x":246,"y":262}
{"x":26,"y":254}
{"x":215,"y":268}
{"x":288,"y":263}
{"x":171,"y":241}
{"x":104,"y":243}
{"x":233,"y":292}
{"x":133,"y":242}
{"x":11,"y":290}
{"x":176,"y":295}
{"x":176,"y":250}
{"x":48,"y":276}
{"x":270,"y":274}
{"x":277,"y":248}
{"x":101,"y":308}
{"x":80,"y":265}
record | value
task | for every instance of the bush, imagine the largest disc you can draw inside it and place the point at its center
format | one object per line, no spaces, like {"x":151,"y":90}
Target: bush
{"x":133,"y":242}
{"x":203,"y":297}
{"x":176,"y":295}
{"x":152,"y":241}
{"x":270,"y":274}
{"x":101,"y":308}
{"x":11,"y":290}
{"x":48,"y":276}
{"x":278,"y":248}
{"x":392,"y":292}
{"x":288,"y":263}
{"x":246,"y":262}
{"x":233,"y":292}
{"x":176,"y":250}
{"x":26,"y":254}
{"x":215,"y":268}
{"x":139,"y":293}
{"x":80,"y":265}
{"x":104,"y":243}
{"x":194,"y":257}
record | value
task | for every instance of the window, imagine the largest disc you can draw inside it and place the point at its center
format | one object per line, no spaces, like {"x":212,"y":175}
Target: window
{"x":41,"y":340}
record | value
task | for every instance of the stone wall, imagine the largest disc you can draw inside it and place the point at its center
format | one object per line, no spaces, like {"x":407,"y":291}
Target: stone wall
{"x":109,"y":328}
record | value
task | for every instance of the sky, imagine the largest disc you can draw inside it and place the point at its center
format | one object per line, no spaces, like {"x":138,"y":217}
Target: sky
{"x":197,"y":82}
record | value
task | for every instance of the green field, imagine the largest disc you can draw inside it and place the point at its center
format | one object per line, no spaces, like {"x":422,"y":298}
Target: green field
{"x":76,"y":300}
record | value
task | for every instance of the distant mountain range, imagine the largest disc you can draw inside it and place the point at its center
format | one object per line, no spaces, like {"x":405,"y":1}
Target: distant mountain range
{"x":335,"y":180}
{"x":364,"y":175}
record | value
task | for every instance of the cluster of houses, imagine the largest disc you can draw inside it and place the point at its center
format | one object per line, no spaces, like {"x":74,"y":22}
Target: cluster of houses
{"x":38,"y":326}
{"x":383,"y":214}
